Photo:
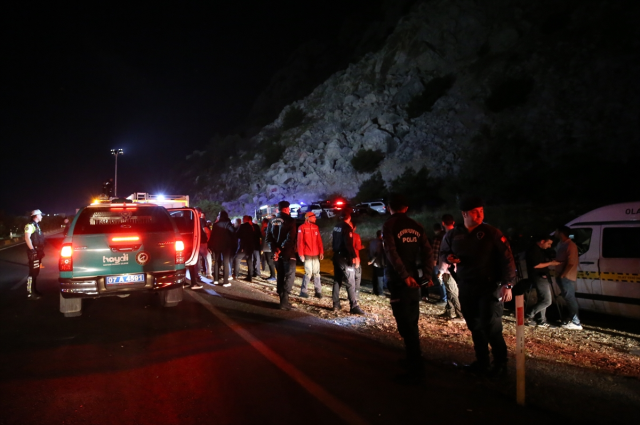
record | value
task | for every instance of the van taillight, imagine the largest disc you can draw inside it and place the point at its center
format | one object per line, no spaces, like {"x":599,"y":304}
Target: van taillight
{"x":66,"y":258}
{"x":179,"y":252}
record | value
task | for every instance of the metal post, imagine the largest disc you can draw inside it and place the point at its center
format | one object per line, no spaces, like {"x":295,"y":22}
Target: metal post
{"x":116,"y":152}
{"x":520,"y":380}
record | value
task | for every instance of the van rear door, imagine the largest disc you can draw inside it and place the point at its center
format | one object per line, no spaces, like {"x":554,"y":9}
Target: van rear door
{"x":188,"y":222}
{"x":588,"y":285}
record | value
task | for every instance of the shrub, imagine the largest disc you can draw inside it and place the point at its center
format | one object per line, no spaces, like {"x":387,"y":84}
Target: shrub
{"x":373,"y":188}
{"x":292,"y":118}
{"x":418,"y":188}
{"x":210,"y":208}
{"x":271,"y":149}
{"x":509,"y":93}
{"x":433,"y":90}
{"x":367,"y":160}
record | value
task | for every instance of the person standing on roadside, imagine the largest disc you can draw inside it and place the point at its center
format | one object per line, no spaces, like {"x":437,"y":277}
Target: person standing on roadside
{"x":194,"y":272}
{"x":281,"y":236}
{"x":267,"y":255}
{"x":486,"y":273}
{"x":257,"y":251}
{"x":222,"y":237}
{"x":376,"y":259}
{"x":439,"y":233}
{"x":567,"y":274}
{"x":445,"y":276}
{"x":343,"y":264}
{"x":538,"y":274}
{"x":246,"y":241}
{"x":34,"y":239}
{"x":409,"y":264}
{"x":311,"y":252}
{"x":357,"y":247}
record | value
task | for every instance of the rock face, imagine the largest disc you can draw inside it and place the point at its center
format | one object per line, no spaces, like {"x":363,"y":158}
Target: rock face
{"x":561,"y":73}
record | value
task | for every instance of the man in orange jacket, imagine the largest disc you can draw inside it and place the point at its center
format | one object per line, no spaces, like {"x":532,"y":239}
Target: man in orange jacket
{"x":310,"y":251}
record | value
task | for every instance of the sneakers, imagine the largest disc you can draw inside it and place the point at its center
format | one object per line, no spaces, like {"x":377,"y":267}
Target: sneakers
{"x":356,"y":310}
{"x":196,"y":286}
{"x":529,"y":322}
{"x":458,"y":320}
{"x":319,"y":295}
{"x":446,"y":315}
{"x":271,"y":279}
{"x":215,"y":282}
{"x":572,"y":326}
{"x":543,"y":325}
{"x":226,"y":285}
{"x":304,"y":295}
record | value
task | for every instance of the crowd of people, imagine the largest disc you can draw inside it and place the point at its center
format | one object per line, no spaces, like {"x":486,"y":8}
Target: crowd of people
{"x":469,"y":265}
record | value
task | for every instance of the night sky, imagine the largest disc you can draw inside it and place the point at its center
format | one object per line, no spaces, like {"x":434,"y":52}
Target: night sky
{"x":157,"y":81}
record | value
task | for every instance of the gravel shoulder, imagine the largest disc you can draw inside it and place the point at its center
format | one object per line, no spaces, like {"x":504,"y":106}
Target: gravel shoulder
{"x":590,"y":376}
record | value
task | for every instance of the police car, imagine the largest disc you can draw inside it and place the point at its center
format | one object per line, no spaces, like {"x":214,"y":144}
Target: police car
{"x":122,"y":247}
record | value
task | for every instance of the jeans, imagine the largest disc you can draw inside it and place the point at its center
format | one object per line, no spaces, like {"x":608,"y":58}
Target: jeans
{"x":243,"y":255}
{"x":453,"y":303}
{"x":224,"y":257}
{"x":256,"y":263}
{"x":378,"y":280}
{"x":311,"y":271}
{"x":543,"y":288}
{"x":568,"y":292}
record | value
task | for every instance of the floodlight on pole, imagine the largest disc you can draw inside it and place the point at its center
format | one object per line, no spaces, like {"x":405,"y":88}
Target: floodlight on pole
{"x":116,"y":152}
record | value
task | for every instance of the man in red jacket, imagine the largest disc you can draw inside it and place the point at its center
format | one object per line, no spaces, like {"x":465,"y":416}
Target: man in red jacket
{"x":310,"y":251}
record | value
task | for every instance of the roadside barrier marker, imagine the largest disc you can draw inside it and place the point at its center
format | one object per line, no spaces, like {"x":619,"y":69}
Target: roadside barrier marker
{"x":335,"y":405}
{"x":520,"y":350}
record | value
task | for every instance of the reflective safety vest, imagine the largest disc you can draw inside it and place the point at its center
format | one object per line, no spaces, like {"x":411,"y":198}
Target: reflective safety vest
{"x":37,"y":238}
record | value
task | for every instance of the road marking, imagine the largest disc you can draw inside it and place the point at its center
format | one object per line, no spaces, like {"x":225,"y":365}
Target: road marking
{"x":335,"y":405}
{"x":19,"y":284}
{"x":11,"y":246}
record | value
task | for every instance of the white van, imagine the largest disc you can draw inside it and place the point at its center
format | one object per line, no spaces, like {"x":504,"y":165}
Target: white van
{"x":608,"y":241}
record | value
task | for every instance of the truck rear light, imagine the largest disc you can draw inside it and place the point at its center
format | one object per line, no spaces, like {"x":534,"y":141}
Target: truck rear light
{"x":179,"y":252}
{"x":125,"y":238}
{"x":66,"y":258}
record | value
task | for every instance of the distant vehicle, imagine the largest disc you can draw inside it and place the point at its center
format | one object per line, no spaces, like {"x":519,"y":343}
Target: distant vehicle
{"x":608,"y":241}
{"x":314,"y":208}
{"x":377,"y":205}
{"x":293,"y":210}
{"x":364,"y":209}
{"x":118,"y":248}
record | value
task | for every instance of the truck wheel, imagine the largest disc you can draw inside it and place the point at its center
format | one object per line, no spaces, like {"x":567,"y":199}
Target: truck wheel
{"x":70,"y":307}
{"x":171,"y":297}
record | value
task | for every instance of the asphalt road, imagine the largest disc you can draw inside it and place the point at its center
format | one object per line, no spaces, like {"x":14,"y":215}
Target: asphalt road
{"x":223,"y":355}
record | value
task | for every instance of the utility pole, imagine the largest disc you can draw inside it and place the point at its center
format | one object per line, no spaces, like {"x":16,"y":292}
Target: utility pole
{"x":116,"y":152}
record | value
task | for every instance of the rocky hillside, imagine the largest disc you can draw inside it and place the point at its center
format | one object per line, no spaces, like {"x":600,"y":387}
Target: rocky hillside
{"x":499,"y":94}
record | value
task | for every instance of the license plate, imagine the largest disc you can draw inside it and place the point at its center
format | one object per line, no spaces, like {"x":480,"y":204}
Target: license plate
{"x":125,"y":279}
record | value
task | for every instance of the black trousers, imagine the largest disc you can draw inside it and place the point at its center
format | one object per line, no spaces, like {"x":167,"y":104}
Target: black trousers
{"x":286,"y":274}
{"x":344,"y":273}
{"x":33,"y":258}
{"x":268,"y":256}
{"x":405,"y":304}
{"x":378,"y":280}
{"x":248,"y":255}
{"x":224,"y":257}
{"x":483,"y":313}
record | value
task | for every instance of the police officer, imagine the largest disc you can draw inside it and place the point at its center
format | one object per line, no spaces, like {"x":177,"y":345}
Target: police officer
{"x":408,"y":263}
{"x":486,"y":273}
{"x":344,"y":271}
{"x":34,"y":239}
{"x":281,"y":237}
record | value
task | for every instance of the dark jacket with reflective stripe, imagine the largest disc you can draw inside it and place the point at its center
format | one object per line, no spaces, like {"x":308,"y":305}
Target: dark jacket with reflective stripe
{"x":281,"y":235}
{"x":486,"y":261}
{"x":406,"y":248}
{"x":343,"y":240}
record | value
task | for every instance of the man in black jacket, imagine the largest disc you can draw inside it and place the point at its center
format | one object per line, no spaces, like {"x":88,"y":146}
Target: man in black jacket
{"x":344,"y":271}
{"x":222,"y":235}
{"x":409,"y":264}
{"x":486,"y":273}
{"x":257,"y":238}
{"x":281,"y":237}
{"x":246,"y":245}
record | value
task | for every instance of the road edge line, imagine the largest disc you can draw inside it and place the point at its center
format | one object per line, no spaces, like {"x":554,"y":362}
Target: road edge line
{"x":331,"y":402}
